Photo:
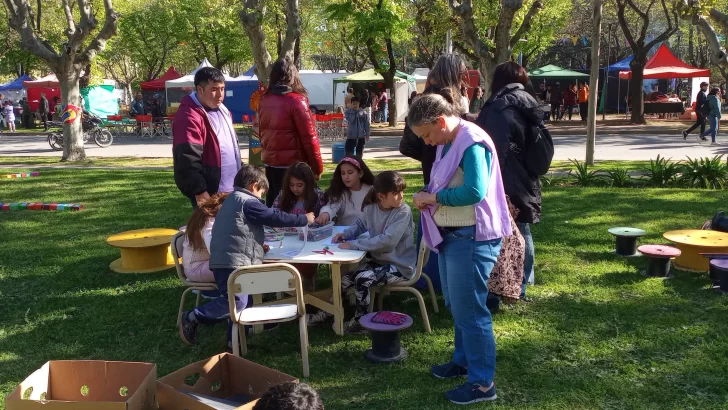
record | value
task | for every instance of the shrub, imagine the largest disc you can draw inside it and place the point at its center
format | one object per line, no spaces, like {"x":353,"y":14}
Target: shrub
{"x":551,"y":180}
{"x":662,"y":172}
{"x":619,"y":177}
{"x":710,"y":173}
{"x":582,"y":176}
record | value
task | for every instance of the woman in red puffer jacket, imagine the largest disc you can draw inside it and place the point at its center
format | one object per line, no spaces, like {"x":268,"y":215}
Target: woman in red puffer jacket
{"x":287,"y":129}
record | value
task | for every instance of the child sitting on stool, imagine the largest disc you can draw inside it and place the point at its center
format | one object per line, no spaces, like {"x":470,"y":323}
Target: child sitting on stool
{"x":237,"y":241}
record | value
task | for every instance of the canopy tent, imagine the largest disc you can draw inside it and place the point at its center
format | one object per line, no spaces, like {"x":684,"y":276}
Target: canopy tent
{"x":665,"y":65}
{"x":100,"y":100}
{"x":404,"y":84}
{"x":47,"y":85}
{"x":178,"y":88}
{"x":622,"y":65}
{"x":49,"y":81}
{"x":552,"y":71}
{"x":420,"y":75}
{"x":159,"y":83}
{"x":13,"y":91}
{"x":238,"y":92}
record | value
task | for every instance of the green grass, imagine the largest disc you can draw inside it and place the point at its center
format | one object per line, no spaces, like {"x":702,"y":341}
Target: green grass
{"x":596,"y":335}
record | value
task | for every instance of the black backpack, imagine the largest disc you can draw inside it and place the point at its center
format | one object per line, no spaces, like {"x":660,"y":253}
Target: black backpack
{"x":539,"y":153}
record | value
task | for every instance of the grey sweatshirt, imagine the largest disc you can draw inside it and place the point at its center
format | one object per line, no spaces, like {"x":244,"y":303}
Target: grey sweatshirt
{"x":358,"y":124}
{"x":391,"y":237}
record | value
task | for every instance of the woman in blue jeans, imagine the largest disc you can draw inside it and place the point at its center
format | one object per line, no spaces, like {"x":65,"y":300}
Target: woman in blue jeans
{"x":713,"y":103}
{"x":464,"y":216}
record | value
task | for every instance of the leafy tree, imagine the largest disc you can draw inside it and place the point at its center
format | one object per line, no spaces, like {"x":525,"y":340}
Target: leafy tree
{"x":75,"y":53}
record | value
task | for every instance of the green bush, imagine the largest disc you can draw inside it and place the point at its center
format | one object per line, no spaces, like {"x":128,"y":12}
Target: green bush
{"x":619,"y":177}
{"x":662,"y":172}
{"x":710,"y":173}
{"x":583,"y":177}
{"x":551,"y":180}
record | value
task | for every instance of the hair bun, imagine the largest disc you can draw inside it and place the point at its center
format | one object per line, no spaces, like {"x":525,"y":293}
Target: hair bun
{"x":447,"y":94}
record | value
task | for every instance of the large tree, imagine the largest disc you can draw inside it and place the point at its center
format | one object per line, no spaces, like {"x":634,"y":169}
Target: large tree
{"x":492,"y":46}
{"x":636,"y":18}
{"x":74,"y":54}
{"x":697,"y":14}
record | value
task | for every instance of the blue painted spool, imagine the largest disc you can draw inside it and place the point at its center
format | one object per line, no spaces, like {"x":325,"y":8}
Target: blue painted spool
{"x":338,"y":151}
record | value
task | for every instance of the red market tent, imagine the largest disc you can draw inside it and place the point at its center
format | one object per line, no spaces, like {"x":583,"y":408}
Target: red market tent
{"x":49,"y":81}
{"x":159,"y":83}
{"x":664,"y":64}
{"x":47,"y":85}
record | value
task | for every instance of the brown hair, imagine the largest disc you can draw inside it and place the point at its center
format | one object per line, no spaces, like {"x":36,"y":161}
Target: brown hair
{"x":384,"y":183}
{"x":285,"y":73}
{"x":303,"y":172}
{"x":449,"y":72}
{"x":429,"y":107}
{"x":198,"y":219}
{"x":508,"y":73}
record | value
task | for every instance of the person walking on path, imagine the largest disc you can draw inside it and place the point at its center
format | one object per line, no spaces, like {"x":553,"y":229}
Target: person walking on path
{"x":287,"y":130}
{"x":464,"y":216}
{"x":204,"y":142}
{"x":384,"y":105}
{"x":713,"y":103}
{"x":557,"y":100}
{"x":27,"y":115}
{"x":583,"y":101}
{"x":43,"y":111}
{"x":701,"y":111}
{"x":570,"y":98}
{"x":9,"y":112}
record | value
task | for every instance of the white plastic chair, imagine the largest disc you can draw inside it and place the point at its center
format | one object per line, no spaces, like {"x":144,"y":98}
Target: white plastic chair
{"x":268,"y":278}
{"x":406,"y":286}
{"x":177,"y":248}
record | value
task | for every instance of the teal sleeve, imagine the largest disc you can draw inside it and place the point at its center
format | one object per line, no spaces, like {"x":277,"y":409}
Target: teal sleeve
{"x":476,"y":168}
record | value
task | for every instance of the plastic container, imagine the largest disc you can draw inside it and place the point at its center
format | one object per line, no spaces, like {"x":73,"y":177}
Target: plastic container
{"x":273,"y":236}
{"x":317,"y":232}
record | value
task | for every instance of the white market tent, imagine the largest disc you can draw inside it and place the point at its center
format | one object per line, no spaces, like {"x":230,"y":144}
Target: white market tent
{"x":420,"y":75}
{"x":404,"y":84}
{"x":185,"y":84}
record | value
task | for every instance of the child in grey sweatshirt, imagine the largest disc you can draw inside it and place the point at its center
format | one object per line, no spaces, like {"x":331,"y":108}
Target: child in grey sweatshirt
{"x":390,"y":245}
{"x":357,"y":129}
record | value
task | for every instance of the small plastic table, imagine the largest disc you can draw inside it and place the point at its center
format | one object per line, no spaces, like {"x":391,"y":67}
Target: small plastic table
{"x":693,"y":242}
{"x":720,"y":266}
{"x":659,"y":259}
{"x":626,"y":239}
{"x":143,"y":250}
{"x":386,"y":347}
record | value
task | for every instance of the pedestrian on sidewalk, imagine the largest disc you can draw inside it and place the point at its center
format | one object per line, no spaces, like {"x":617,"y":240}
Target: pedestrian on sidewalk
{"x":27,"y":116}
{"x":583,"y":101}
{"x":384,"y":105}
{"x":9,"y":112}
{"x":43,"y":111}
{"x":357,"y":129}
{"x":713,"y":103}
{"x":701,"y":111}
{"x":570,"y":98}
{"x":557,"y":100}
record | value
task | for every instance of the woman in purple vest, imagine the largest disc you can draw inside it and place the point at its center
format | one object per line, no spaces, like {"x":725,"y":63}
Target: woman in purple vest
{"x":464,"y":216}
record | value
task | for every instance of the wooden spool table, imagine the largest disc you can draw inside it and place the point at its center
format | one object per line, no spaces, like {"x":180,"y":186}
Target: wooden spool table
{"x":386,"y":347}
{"x":693,"y":242}
{"x":626,"y":240}
{"x":143,"y":250}
{"x":659,"y":259}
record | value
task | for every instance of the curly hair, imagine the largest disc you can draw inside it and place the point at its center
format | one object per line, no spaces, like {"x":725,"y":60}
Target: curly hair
{"x":290,"y":396}
{"x":198,"y":219}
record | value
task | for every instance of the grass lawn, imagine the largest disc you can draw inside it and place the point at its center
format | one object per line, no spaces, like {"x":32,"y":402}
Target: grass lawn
{"x":596,"y":335}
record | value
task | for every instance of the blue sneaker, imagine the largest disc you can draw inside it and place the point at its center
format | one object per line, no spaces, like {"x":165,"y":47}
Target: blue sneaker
{"x":448,"y":370}
{"x":470,"y":393}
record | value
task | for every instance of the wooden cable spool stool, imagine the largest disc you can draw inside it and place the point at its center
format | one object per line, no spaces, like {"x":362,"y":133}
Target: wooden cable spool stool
{"x":143,"y":250}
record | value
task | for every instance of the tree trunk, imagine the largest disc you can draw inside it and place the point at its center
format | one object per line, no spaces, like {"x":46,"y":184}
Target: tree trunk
{"x":638,"y":73}
{"x":72,"y":133}
{"x":487,"y":71}
{"x":691,"y":55}
{"x":128,"y":93}
{"x":591,"y":126}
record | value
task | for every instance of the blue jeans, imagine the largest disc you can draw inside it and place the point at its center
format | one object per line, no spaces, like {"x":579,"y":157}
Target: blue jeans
{"x":530,"y":255}
{"x":386,"y":111}
{"x":465,"y":266}
{"x":713,"y":131}
{"x":218,"y":309}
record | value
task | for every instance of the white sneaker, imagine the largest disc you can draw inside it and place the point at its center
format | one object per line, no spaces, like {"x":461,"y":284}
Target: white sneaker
{"x":321,"y":317}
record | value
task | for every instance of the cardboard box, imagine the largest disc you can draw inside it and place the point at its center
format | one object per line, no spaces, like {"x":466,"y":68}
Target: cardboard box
{"x":222,"y":376}
{"x":87,"y":385}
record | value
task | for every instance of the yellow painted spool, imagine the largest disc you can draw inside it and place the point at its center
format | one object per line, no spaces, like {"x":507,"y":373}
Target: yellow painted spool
{"x":143,"y":250}
{"x":693,"y":242}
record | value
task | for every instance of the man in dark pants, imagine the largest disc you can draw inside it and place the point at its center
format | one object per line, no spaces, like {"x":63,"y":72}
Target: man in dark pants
{"x":700,"y":108}
{"x":27,"y":115}
{"x":43,"y":111}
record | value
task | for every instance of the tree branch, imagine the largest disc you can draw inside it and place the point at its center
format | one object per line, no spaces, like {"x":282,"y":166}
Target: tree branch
{"x":71,"y":30}
{"x":526,"y":25}
{"x":668,"y":32}
{"x":19,"y":20}
{"x":372,"y":54}
{"x":691,"y":13}
{"x":464,"y":50}
{"x":98,"y":44}
{"x":293,"y":30}
{"x":251,"y":18}
{"x":467,"y":25}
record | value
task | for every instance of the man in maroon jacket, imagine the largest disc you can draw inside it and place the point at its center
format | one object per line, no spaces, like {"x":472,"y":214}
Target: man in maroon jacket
{"x":205,"y":145}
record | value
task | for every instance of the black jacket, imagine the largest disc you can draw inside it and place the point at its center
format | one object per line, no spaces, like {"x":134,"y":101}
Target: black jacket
{"x":701,"y":106}
{"x":511,"y":118}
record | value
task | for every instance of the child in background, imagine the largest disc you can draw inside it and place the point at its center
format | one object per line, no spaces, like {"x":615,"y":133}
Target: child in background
{"x":390,"y":246}
{"x":357,"y":129}
{"x":300,"y":195}
{"x":9,"y":113}
{"x":290,"y":396}
{"x":350,"y":184}
{"x":196,"y":246}
{"x":237,"y":241}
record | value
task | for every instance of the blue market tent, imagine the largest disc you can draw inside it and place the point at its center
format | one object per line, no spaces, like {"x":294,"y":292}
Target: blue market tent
{"x":13,"y":90}
{"x":622,"y":65}
{"x":237,"y":95}
{"x":616,"y":88}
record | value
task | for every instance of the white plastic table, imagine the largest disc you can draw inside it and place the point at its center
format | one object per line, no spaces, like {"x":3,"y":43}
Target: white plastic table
{"x":319,"y":298}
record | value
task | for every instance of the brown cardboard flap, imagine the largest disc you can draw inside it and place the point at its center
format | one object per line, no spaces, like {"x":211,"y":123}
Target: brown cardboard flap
{"x":104,"y":379}
{"x":38,"y":380}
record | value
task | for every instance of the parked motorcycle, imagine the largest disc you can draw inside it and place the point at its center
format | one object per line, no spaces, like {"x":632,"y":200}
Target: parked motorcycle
{"x":92,"y":128}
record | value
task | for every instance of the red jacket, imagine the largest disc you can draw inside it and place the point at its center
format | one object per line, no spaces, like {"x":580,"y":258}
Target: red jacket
{"x":287,"y":130}
{"x":570,"y":97}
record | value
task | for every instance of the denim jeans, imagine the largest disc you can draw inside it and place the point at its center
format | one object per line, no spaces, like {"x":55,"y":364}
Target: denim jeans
{"x":530,"y":255}
{"x":218,"y":309}
{"x":385,"y":111}
{"x":465,"y":266}
{"x":713,"y":131}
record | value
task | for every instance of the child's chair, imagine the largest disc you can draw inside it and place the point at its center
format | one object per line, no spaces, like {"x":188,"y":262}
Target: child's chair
{"x":268,"y":278}
{"x":177,"y":248}
{"x":406,"y":286}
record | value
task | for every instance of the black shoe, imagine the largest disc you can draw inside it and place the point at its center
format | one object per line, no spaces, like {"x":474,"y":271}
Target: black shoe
{"x":188,"y":330}
{"x":493,"y":304}
{"x":353,"y":327}
{"x":685,"y":135}
{"x":448,"y":371}
{"x":703,"y":138}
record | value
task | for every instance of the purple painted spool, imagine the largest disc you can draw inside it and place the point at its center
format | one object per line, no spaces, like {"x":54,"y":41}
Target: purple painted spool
{"x":386,"y":347}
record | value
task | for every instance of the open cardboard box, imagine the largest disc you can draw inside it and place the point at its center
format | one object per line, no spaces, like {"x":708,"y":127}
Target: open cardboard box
{"x":220,"y":376}
{"x":87,"y":385}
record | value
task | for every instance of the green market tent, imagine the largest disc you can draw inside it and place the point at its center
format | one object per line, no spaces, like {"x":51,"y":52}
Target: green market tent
{"x":552,"y":71}
{"x":404,"y":84}
{"x":101,"y":100}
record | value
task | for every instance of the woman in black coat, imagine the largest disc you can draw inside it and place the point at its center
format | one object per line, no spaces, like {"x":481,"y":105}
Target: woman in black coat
{"x":512,"y":118}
